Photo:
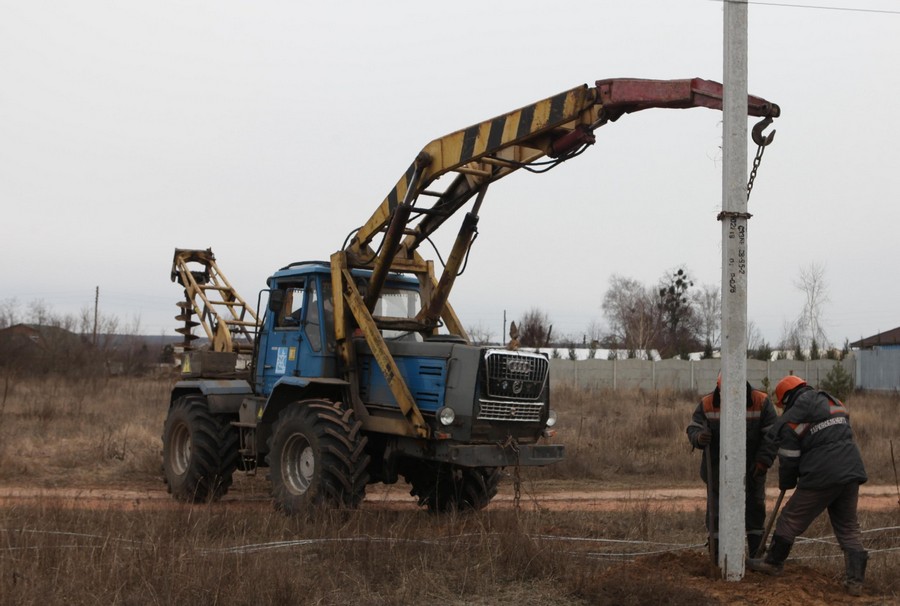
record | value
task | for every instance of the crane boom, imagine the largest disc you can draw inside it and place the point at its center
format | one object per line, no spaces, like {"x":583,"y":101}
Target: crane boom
{"x":536,"y":137}
{"x":556,"y":127}
{"x":559,"y":128}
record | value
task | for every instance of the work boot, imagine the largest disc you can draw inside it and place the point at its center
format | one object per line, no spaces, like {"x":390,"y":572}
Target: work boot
{"x":855,"y":563}
{"x":773,"y":563}
{"x":753,"y":542}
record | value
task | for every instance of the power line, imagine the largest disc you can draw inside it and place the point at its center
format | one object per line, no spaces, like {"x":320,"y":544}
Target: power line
{"x":817,"y":7}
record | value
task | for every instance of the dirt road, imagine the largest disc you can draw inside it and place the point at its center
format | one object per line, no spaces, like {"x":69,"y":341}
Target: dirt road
{"x":872,"y":498}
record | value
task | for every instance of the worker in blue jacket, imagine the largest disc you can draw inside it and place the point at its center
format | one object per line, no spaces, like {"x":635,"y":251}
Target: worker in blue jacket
{"x":818,"y":455}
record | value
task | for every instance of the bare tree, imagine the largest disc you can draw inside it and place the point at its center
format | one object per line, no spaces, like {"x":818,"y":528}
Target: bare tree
{"x":535,"y":329}
{"x":106,"y":328}
{"x":632,"y":313}
{"x":757,"y":346}
{"x":39,"y":313}
{"x":707,"y":302}
{"x":594,"y":334}
{"x":9,"y":312}
{"x":755,"y":338}
{"x":480,"y":334}
{"x":680,"y":320}
{"x":811,"y":282}
{"x":790,"y":336}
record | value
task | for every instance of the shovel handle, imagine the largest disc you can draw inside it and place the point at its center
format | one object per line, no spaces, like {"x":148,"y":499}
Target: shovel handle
{"x":710,"y":514}
{"x":761,"y":550}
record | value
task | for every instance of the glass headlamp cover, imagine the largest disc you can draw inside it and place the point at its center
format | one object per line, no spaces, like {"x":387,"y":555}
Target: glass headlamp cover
{"x":446,"y":415}
{"x":551,"y":418}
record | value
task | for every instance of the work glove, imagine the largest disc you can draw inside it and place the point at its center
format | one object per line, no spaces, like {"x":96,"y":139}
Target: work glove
{"x":704,"y":437}
{"x":760,"y":469}
{"x":787,"y":479}
{"x":787,"y":484}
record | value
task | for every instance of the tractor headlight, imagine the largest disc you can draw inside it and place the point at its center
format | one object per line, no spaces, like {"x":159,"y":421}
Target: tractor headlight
{"x":551,"y":418}
{"x":446,"y":415}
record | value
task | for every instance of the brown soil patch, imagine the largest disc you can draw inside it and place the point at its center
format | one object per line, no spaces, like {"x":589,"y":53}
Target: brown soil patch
{"x":687,"y":571}
{"x":396,"y":497}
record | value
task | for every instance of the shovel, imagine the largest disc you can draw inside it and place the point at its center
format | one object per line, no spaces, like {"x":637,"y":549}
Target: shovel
{"x":710,"y":514}
{"x":761,"y":550}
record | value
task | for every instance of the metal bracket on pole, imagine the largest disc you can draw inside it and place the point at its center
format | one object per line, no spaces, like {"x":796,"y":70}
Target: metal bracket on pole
{"x":728,"y":215}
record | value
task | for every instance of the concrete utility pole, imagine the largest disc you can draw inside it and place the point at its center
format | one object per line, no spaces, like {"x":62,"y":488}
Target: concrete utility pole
{"x":733,"y":445}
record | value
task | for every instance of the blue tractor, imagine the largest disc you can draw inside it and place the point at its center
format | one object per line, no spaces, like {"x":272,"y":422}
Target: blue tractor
{"x":288,"y":402}
{"x":359,"y":370}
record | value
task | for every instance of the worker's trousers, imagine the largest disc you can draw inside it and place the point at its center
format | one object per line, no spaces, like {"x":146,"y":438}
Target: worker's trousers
{"x":806,"y":505}
{"x":754,"y":506}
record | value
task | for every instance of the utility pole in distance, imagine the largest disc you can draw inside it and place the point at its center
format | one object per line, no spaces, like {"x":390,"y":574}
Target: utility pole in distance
{"x":733,"y":445}
{"x":503,"y":334}
{"x":96,"y":308}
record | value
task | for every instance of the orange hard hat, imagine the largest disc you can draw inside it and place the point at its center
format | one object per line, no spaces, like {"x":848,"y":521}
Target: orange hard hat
{"x":785,"y":385}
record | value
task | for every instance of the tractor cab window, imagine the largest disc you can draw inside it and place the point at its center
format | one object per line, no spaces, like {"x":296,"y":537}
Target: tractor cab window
{"x":328,"y":309}
{"x":398,"y":303}
{"x":394,"y":302}
{"x":292,"y":307}
{"x":313,"y":328}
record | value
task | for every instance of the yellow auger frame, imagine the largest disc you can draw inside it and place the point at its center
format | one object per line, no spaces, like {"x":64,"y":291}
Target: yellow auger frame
{"x":230,"y":324}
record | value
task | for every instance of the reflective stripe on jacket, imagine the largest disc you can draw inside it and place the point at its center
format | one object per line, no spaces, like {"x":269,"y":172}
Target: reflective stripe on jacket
{"x":816,"y":449}
{"x":760,"y":416}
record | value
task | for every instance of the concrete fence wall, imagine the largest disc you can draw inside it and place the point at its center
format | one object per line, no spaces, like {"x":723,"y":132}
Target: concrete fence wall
{"x":683,"y":375}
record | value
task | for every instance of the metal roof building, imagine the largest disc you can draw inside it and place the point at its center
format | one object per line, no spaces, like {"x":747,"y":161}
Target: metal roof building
{"x":887,"y":340}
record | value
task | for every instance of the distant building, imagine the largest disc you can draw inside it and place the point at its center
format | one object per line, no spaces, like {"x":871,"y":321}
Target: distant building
{"x":884,"y":340}
{"x":28,"y":336}
{"x":38,"y":348}
{"x":878,"y":361}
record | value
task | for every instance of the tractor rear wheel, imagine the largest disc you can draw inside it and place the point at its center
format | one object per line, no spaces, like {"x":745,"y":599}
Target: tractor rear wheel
{"x":200,"y":451}
{"x":317,"y":457}
{"x":442,"y":487}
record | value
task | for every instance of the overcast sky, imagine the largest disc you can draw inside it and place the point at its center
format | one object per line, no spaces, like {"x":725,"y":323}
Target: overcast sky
{"x":269,"y":130}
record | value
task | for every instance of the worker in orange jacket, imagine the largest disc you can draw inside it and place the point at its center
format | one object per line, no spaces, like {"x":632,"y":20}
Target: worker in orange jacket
{"x":704,"y":433}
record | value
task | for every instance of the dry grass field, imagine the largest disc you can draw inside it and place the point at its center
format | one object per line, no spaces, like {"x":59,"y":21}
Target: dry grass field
{"x":105,"y":433}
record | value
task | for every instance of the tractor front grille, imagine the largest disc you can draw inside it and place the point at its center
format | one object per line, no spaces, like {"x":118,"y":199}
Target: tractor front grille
{"x":514,"y":383}
{"x":515,"y":375}
{"x":492,"y":410}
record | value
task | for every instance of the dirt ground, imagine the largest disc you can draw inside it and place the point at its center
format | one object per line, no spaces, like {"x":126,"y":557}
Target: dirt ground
{"x":685,"y":570}
{"x":797,"y":586}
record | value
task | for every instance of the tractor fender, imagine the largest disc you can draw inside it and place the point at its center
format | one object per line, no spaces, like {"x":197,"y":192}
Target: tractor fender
{"x":223,"y":395}
{"x":291,"y":389}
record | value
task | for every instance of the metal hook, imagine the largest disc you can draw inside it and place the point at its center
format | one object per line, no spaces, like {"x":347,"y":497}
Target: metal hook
{"x":758,"y":137}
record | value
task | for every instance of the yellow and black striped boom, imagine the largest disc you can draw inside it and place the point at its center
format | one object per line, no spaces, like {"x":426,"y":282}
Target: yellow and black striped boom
{"x":536,"y":137}
{"x":556,"y":127}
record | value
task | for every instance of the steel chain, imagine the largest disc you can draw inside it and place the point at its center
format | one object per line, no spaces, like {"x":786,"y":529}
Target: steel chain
{"x":517,"y":477}
{"x":756,"y":162}
{"x":517,"y":486}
